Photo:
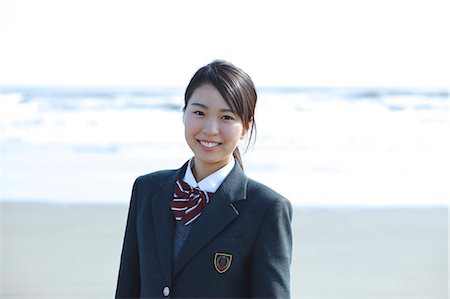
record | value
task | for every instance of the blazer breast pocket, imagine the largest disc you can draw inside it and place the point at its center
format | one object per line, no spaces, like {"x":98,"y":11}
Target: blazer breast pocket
{"x":230,"y":258}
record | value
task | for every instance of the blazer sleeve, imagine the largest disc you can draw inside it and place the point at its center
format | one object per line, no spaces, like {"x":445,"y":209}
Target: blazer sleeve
{"x":271,"y":261}
{"x":128,"y":282}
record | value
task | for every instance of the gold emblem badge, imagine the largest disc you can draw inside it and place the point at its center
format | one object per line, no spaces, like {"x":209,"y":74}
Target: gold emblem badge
{"x":222,"y":262}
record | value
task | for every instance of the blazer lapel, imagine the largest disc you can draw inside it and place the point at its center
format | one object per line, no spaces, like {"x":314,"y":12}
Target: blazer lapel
{"x":219,"y":212}
{"x":164,"y":222}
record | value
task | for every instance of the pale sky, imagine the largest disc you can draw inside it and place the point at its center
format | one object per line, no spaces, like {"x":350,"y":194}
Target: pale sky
{"x":401,"y":43}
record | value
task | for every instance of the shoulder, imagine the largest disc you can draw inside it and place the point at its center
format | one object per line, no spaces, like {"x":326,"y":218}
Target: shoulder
{"x":255,"y":188}
{"x":160,"y":177}
{"x":157,"y":175}
{"x":266,"y":196}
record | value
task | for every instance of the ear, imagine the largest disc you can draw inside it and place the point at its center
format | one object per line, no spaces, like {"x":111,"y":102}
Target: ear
{"x":183,"y":117}
{"x":248,"y":127}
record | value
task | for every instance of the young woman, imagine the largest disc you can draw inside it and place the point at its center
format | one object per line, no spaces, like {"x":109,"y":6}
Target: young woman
{"x":206,"y":230}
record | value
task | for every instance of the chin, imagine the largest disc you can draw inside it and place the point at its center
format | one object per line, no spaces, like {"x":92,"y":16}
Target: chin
{"x":207,"y":160}
{"x":210,"y":160}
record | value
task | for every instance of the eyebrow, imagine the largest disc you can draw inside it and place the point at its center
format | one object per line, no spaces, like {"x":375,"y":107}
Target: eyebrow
{"x":206,"y":107}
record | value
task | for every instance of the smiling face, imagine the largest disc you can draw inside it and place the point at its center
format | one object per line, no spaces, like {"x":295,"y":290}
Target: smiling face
{"x":212,"y":130}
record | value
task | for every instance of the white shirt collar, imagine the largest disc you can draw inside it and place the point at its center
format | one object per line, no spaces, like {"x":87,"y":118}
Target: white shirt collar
{"x":213,"y":181}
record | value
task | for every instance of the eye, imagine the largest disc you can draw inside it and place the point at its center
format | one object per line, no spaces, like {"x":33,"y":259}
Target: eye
{"x":228,"y":117}
{"x":198,"y":112}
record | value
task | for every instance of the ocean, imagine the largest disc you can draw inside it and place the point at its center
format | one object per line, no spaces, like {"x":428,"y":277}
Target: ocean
{"x":316,"y":146}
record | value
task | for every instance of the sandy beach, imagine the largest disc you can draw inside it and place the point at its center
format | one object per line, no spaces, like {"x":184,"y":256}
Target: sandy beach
{"x":72,"y":251}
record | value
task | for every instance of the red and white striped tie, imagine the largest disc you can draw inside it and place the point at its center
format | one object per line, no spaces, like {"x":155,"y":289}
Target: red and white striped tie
{"x":188,"y":203}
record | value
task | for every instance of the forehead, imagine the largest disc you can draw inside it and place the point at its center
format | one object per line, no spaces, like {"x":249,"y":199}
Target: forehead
{"x":208,"y":95}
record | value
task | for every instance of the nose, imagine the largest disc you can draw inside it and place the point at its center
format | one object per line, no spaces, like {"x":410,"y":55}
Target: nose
{"x":211,"y":127}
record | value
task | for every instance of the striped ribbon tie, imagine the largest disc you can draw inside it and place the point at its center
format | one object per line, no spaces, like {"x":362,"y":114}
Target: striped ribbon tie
{"x":188,"y":203}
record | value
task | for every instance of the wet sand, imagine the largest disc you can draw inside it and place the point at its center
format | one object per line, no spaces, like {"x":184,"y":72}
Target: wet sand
{"x":73,"y":251}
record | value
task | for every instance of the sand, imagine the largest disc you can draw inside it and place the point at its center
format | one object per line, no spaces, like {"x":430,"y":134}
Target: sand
{"x":73,"y":251}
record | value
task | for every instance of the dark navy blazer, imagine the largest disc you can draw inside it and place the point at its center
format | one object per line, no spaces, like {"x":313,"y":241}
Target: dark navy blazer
{"x":244,"y":220}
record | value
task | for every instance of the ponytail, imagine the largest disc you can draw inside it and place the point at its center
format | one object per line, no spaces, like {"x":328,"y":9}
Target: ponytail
{"x":237,"y":156}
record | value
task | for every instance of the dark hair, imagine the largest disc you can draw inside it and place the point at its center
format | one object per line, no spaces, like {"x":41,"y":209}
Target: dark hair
{"x":235,"y":86}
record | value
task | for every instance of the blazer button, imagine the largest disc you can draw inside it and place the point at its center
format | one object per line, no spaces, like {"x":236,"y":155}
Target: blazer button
{"x":166,"y":291}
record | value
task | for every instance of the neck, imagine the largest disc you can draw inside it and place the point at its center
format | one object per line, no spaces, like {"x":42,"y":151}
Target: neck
{"x":202,"y":170}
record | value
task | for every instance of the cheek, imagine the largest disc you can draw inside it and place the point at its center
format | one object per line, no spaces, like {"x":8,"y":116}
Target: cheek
{"x":235,"y":132}
{"x":192,"y":127}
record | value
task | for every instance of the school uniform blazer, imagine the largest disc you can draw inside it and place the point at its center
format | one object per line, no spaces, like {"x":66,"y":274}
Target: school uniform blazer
{"x":244,"y":232}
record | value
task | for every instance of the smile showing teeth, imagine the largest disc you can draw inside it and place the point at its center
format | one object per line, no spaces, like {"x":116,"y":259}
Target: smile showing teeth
{"x":209,"y":144}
